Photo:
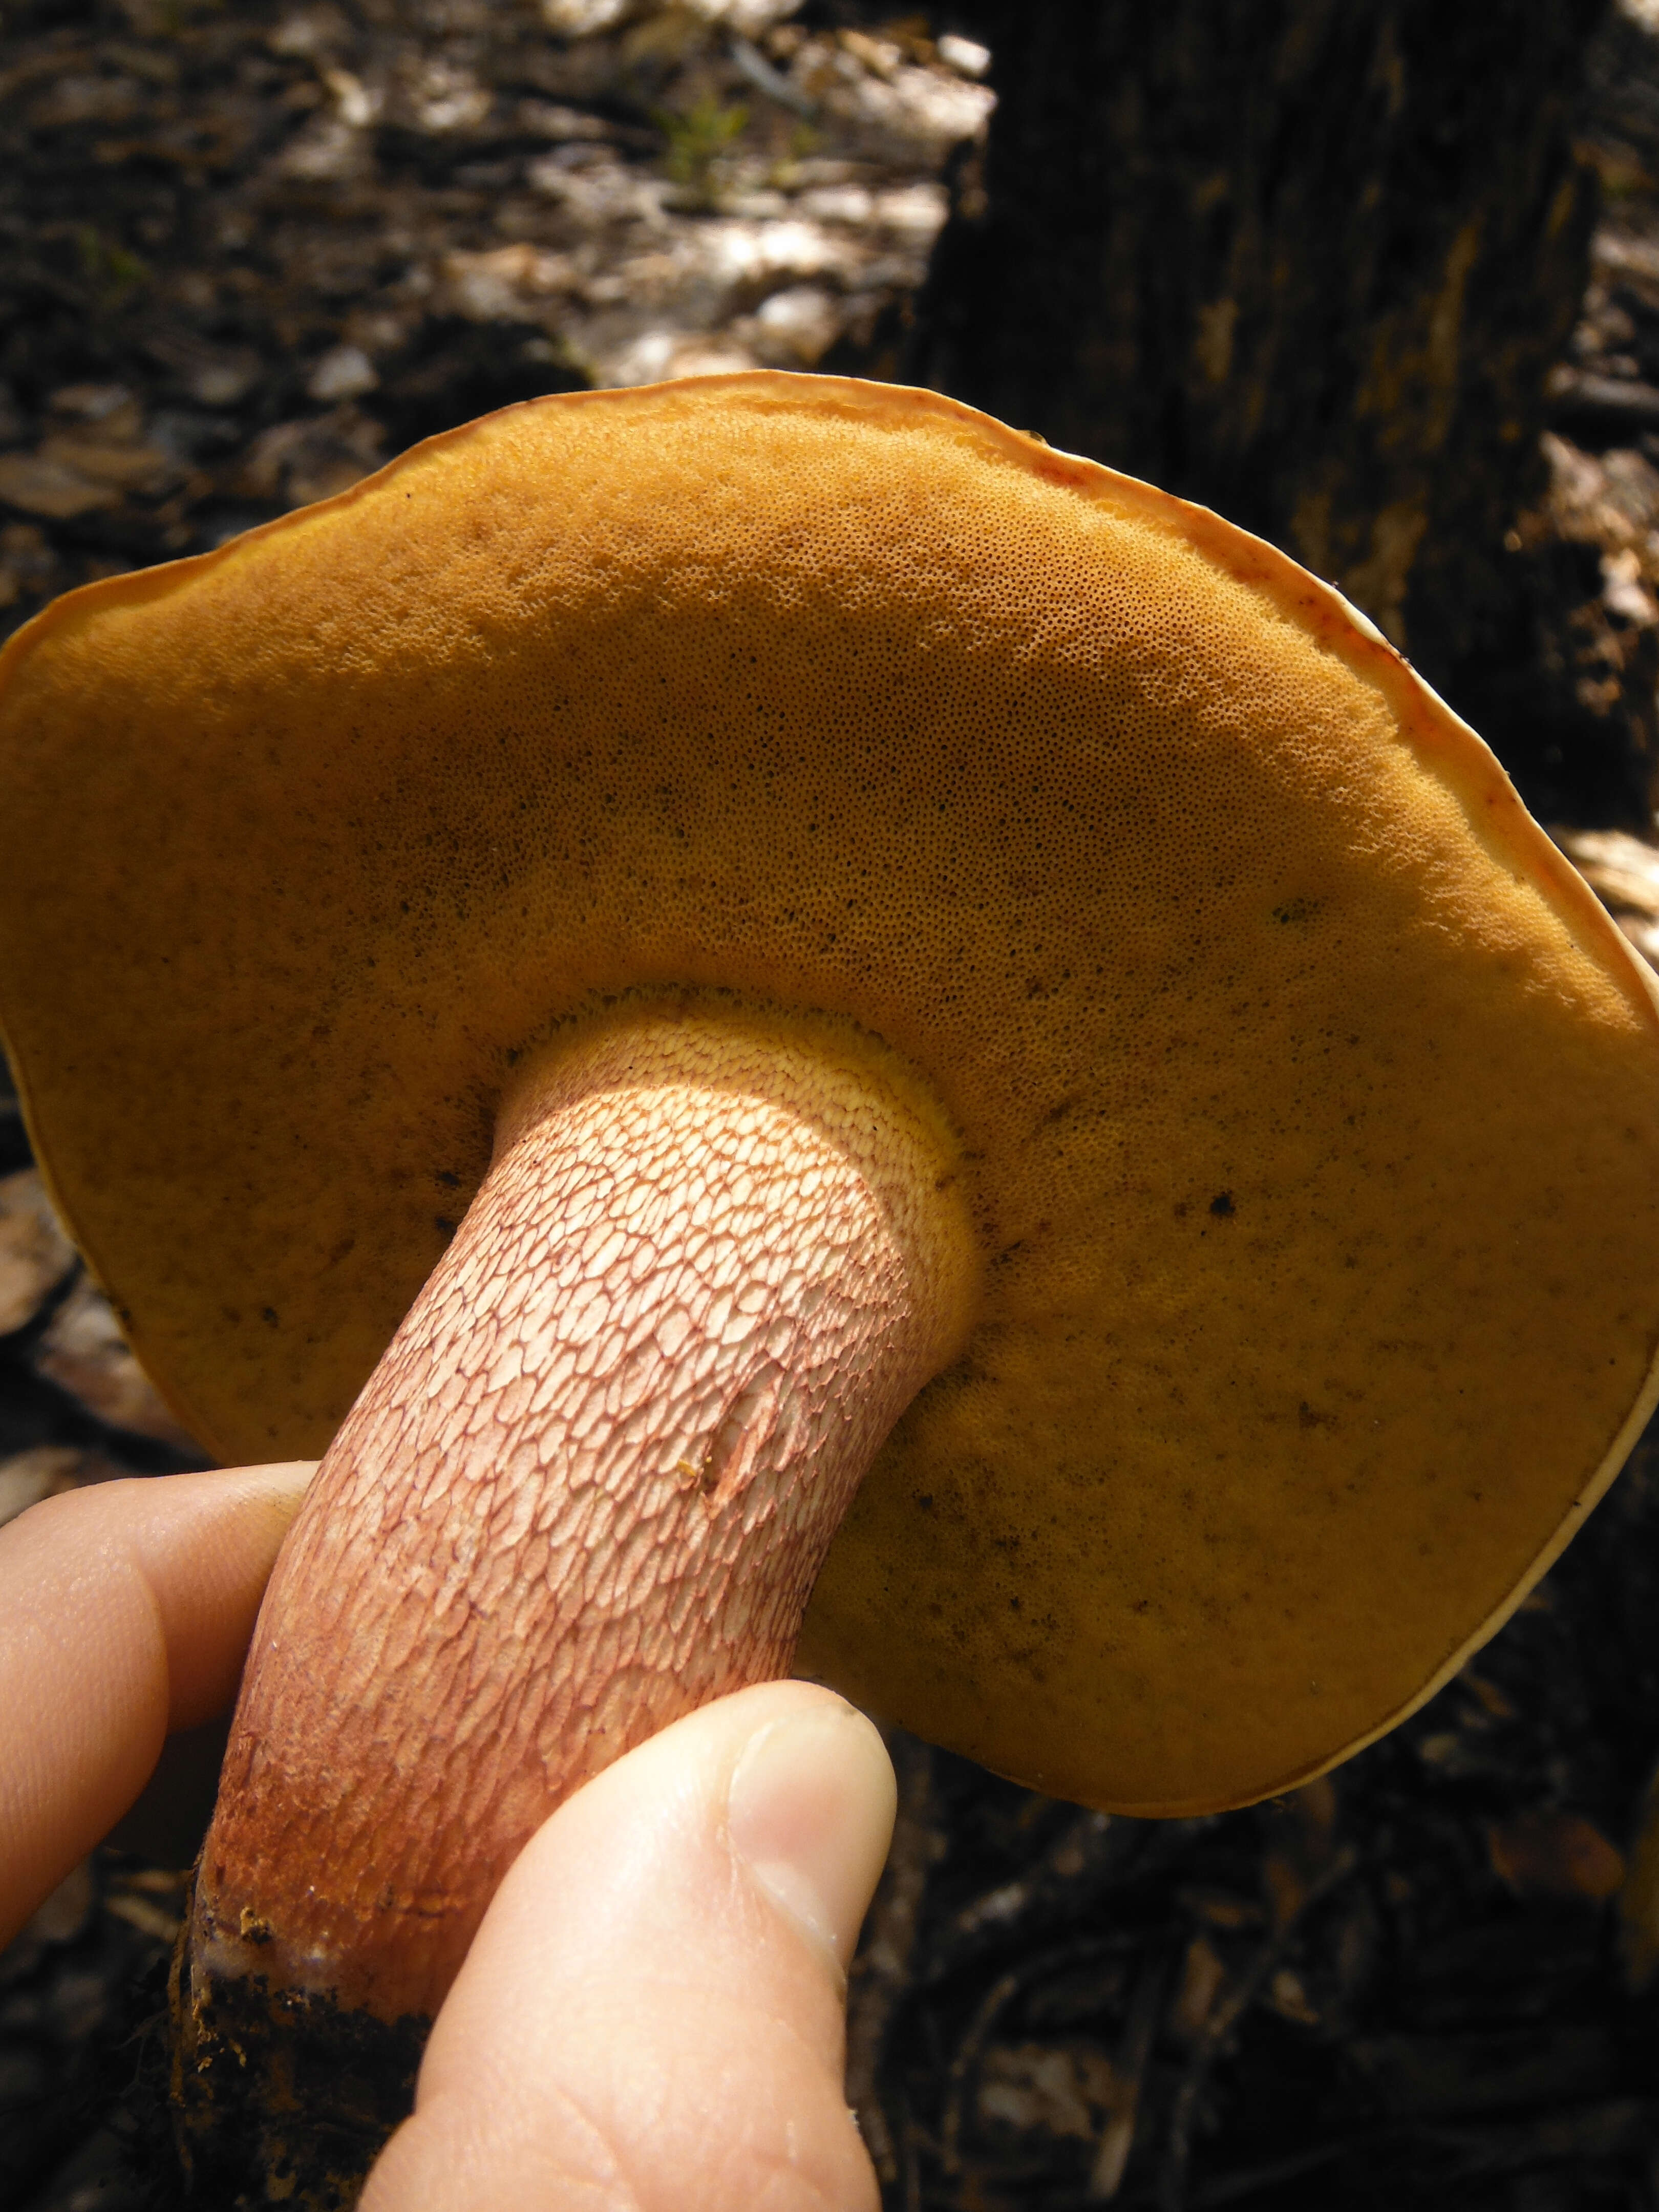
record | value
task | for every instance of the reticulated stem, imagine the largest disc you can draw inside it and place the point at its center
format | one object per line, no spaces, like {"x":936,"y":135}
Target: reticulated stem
{"x":587,"y":1489}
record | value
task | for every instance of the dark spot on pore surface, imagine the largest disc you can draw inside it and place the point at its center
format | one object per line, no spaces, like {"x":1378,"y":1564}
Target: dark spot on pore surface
{"x":443,"y":1223}
{"x":449,"y":1179}
{"x":1222,"y":1203}
{"x":268,"y":1314}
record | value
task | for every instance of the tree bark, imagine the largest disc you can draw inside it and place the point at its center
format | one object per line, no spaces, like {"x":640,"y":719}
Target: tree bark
{"x":1304,"y":261}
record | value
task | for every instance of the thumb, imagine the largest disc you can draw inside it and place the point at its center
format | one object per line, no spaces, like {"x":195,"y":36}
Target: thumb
{"x":651,"y":2018}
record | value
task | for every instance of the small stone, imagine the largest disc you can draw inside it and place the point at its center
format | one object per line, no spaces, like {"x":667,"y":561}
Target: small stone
{"x":35,"y":1255}
{"x":345,"y":371}
{"x":221,"y":383}
{"x":796,"y":328}
{"x":966,"y":56}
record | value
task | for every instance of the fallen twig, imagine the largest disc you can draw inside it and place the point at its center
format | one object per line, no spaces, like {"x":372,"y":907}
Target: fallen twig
{"x":1217,"y":2032}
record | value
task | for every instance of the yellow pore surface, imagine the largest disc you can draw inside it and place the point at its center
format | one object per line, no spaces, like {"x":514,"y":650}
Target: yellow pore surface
{"x":1311,"y":1105}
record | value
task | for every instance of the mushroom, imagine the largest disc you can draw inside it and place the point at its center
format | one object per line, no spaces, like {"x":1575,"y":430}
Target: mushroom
{"x":794,"y":966}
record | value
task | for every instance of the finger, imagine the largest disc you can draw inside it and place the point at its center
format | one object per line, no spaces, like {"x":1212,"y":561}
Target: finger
{"x":653,"y":2014}
{"x":125,"y":1611}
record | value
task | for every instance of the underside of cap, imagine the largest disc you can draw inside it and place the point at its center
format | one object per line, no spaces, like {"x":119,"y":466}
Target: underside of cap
{"x":1311,"y":1104}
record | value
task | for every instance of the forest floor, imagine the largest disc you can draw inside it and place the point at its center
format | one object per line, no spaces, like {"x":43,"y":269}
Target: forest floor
{"x":249,"y":251}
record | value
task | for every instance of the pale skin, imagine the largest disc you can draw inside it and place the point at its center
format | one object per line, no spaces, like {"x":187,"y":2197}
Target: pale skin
{"x":651,"y":2015}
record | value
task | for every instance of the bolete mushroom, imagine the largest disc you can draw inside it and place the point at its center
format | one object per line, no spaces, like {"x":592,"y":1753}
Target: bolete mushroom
{"x":991,"y":995}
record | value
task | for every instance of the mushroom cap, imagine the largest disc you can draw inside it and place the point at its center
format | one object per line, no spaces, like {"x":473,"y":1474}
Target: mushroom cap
{"x":1309,"y":1103}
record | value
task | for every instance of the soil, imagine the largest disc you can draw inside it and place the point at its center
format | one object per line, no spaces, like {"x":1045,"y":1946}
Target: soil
{"x":248,"y":251}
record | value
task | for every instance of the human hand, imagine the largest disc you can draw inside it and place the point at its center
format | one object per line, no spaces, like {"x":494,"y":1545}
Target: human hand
{"x":651,"y":2016}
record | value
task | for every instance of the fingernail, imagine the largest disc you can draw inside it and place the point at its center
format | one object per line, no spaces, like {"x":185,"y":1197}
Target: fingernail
{"x":810,"y":1811}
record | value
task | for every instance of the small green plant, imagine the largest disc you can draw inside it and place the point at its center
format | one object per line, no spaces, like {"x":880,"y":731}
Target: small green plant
{"x":697,"y":138}
{"x":110,"y":271}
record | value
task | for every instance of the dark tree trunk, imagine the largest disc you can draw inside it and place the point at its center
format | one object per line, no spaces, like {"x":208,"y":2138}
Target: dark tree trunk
{"x":1307,"y":261}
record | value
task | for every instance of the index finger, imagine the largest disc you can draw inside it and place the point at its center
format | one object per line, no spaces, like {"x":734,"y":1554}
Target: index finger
{"x":125,"y":1611}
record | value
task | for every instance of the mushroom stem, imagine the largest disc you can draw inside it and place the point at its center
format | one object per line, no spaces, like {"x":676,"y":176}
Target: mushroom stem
{"x":587,"y":1489}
